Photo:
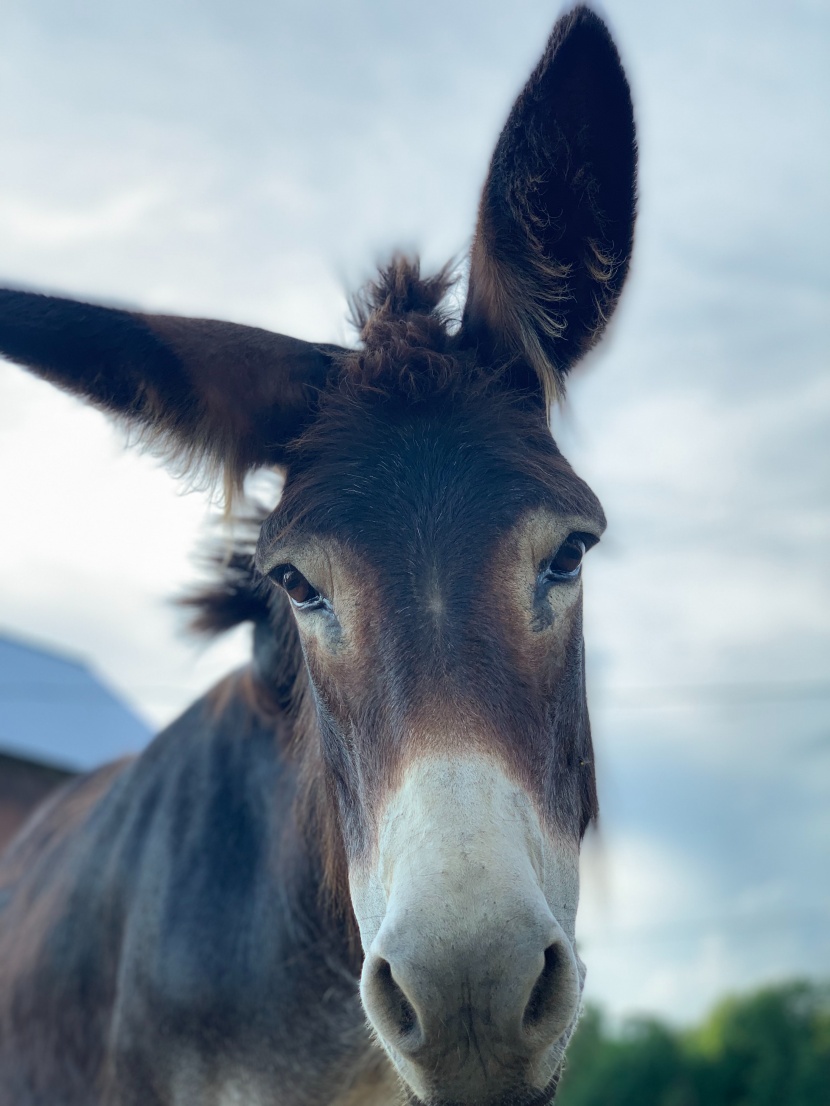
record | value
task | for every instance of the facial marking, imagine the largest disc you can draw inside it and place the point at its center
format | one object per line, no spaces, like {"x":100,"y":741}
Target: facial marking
{"x":461,"y":897}
{"x":476,"y":819}
{"x":434,"y":599}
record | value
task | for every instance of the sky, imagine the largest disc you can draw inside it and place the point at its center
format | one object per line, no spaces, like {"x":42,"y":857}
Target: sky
{"x":253,"y":161}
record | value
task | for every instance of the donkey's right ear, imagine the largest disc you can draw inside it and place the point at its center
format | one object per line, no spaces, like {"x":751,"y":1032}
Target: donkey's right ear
{"x":207,"y":393}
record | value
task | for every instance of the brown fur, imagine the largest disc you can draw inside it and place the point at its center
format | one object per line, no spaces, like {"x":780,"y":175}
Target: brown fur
{"x":180,"y":927}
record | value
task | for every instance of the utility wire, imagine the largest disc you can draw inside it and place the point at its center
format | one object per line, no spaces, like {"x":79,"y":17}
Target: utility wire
{"x":699,"y":928}
{"x":657,"y":697}
{"x":665,"y":696}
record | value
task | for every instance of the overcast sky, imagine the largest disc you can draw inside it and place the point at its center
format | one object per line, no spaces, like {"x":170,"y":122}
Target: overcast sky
{"x":251,"y":161}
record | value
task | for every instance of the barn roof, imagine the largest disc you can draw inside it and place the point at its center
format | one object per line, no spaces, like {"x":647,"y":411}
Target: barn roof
{"x":55,"y":710}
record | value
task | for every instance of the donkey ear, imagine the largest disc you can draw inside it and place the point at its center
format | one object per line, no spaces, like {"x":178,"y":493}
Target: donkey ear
{"x":556,"y":221}
{"x":208,"y":393}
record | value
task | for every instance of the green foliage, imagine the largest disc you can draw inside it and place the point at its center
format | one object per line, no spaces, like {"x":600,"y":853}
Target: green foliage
{"x":771,"y":1048}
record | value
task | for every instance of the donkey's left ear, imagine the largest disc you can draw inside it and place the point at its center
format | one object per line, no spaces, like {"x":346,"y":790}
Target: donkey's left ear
{"x":556,"y":222}
{"x":208,"y":393}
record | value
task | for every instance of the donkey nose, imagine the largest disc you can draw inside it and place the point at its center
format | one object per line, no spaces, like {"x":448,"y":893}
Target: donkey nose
{"x":513,"y":995}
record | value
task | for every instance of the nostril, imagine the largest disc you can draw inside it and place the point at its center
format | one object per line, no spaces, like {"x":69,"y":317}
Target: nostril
{"x":399,"y":1010}
{"x":544,"y":998}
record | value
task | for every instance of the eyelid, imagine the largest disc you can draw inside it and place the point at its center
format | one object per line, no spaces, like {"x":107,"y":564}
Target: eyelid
{"x":318,"y":602}
{"x":588,"y":540}
{"x":275,"y":560}
{"x":549,"y":576}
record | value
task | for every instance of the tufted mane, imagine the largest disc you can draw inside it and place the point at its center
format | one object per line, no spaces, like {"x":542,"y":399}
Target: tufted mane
{"x":397,"y":292}
{"x":405,"y":327}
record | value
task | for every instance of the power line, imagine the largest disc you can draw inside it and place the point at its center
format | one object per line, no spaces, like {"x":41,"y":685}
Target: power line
{"x":668,"y":696}
{"x":700,"y":928}
{"x":634,"y":697}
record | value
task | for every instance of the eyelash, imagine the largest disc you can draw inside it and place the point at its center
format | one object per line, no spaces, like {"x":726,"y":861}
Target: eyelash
{"x":290,"y":579}
{"x":570,"y":555}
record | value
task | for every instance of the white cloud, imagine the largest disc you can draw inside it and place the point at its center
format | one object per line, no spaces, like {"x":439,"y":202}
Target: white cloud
{"x":659,"y":936}
{"x":236,"y":168}
{"x":26,"y":224}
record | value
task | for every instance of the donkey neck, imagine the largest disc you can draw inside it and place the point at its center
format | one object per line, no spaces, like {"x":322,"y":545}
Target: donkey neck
{"x":251,"y":947}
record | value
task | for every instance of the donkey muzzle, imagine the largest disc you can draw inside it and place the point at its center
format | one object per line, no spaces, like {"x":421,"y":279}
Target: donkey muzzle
{"x":470,"y":981}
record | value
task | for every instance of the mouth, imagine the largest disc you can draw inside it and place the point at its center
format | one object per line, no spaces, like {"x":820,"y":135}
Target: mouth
{"x":521,"y":1096}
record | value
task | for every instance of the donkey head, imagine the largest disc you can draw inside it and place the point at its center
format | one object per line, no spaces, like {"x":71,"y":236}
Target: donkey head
{"x":429,"y":539}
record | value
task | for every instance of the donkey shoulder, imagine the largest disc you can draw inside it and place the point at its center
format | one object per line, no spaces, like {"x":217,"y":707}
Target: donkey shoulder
{"x":151,"y":878}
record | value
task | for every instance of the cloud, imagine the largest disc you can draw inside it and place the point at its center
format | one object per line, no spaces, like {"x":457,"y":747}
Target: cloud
{"x":27,"y":224}
{"x":200,"y":160}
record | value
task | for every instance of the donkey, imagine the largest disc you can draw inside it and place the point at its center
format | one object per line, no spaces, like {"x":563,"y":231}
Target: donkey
{"x":349,"y":874}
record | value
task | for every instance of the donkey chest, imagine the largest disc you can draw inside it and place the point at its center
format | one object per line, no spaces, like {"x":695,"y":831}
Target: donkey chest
{"x":372,"y":1082}
{"x":371,"y":1093}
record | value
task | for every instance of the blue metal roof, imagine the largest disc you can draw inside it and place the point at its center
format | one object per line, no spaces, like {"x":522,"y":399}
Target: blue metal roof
{"x":53,"y":709}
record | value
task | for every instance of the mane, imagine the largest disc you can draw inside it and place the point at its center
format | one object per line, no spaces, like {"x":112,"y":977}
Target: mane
{"x":410,"y":346}
{"x":407,"y":333}
{"x":237,"y":592}
{"x":399,"y":291}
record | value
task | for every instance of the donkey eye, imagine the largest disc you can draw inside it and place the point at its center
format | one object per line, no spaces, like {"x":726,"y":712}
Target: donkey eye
{"x":567,"y":560}
{"x":296,"y":587}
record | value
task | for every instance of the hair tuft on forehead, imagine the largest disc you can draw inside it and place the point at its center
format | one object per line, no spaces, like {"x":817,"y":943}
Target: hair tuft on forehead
{"x":408,"y":337}
{"x":399,"y":291}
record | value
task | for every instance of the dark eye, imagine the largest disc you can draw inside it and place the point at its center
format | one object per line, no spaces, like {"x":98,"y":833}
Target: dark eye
{"x":567,"y":560}
{"x":296,"y":587}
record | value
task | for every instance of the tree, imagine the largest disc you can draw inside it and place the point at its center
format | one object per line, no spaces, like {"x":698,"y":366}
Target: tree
{"x":771,"y":1048}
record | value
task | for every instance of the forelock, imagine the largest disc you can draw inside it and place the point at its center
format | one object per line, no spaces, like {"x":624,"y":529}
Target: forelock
{"x":406,"y":330}
{"x":399,"y":294}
